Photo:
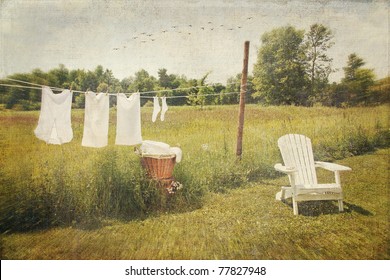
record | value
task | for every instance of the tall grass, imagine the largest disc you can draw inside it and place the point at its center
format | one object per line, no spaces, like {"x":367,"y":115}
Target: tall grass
{"x":46,"y":185}
{"x":246,"y":223}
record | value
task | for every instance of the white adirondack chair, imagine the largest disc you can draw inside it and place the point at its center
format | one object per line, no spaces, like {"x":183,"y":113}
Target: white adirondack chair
{"x":300,"y":166}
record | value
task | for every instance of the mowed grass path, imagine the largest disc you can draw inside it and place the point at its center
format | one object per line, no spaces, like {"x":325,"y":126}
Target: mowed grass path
{"x":245,"y":223}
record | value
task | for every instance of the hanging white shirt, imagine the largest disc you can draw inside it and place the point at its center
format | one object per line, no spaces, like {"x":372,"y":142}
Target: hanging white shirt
{"x":128,"y":125}
{"x":54,"y":124}
{"x":96,"y":117}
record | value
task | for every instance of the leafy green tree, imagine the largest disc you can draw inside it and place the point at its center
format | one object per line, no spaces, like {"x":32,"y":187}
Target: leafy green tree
{"x":143,"y":82}
{"x":233,"y":84}
{"x":380,"y":91}
{"x":76,"y":78}
{"x":175,"y":82}
{"x":103,"y":87}
{"x":205,"y":96}
{"x":182,"y":82}
{"x":167,"y":81}
{"x":317,"y":42}
{"x":109,"y":79}
{"x":353,"y":64}
{"x":357,"y":81}
{"x":39,"y":77}
{"x":279,"y":73}
{"x":164,"y":79}
{"x":99,"y":72}
{"x":16,"y":95}
{"x":198,"y":95}
{"x":80,"y":101}
{"x":58,"y":77}
{"x":126,"y":83}
{"x":89,"y":81}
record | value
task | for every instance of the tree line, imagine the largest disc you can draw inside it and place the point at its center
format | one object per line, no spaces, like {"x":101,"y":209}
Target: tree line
{"x":292,"y":68}
{"x":195,"y":91}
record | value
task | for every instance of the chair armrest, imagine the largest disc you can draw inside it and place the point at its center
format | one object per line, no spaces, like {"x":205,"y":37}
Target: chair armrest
{"x":332,"y":166}
{"x":285,"y":169}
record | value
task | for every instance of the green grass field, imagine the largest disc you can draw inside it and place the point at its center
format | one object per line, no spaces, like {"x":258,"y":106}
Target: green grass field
{"x":71,"y":202}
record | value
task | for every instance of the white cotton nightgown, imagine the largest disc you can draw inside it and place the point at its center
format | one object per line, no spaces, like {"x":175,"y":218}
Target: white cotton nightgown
{"x":96,"y":120}
{"x":128,"y":125}
{"x":54,"y":124}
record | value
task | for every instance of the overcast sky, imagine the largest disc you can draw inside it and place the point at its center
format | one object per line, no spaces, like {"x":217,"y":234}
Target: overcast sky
{"x":185,"y":37}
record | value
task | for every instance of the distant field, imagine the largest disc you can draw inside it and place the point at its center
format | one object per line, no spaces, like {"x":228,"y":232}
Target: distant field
{"x":46,"y":186}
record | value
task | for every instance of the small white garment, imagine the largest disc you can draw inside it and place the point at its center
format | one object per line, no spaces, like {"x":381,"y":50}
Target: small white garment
{"x":164,"y":108}
{"x":156,"y":108}
{"x":149,"y":147}
{"x":128,"y":124}
{"x":178,"y":152}
{"x":54,"y":124}
{"x":96,"y":117}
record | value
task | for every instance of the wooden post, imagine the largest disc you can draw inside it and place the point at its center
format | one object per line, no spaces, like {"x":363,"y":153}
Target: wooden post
{"x":244,"y":79}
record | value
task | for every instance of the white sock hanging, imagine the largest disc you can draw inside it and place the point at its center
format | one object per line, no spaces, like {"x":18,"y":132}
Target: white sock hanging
{"x":156,"y":108}
{"x":164,"y":108}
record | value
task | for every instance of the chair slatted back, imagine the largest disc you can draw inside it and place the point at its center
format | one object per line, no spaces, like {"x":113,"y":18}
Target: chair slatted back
{"x":297,"y":152}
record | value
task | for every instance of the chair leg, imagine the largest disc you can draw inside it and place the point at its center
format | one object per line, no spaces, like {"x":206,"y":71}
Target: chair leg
{"x":295,"y":206}
{"x":341,"y":207}
{"x":279,"y":195}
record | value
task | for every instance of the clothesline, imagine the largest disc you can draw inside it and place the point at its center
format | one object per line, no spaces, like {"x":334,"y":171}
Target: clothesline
{"x":145,"y":97}
{"x":144,"y":92}
{"x":38,"y":86}
{"x":19,"y":86}
{"x":197,"y":95}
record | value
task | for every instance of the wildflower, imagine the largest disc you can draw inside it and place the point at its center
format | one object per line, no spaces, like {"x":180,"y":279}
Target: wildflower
{"x":174,"y":187}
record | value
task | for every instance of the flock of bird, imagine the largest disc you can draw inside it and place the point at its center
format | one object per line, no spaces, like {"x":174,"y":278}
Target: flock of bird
{"x":188,"y":29}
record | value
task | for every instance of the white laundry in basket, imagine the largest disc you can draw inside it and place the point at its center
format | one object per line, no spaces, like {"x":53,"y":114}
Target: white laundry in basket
{"x":149,"y":147}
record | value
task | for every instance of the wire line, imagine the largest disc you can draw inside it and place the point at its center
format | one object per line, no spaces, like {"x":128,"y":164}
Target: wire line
{"x":115,"y":94}
{"x":144,"y":92}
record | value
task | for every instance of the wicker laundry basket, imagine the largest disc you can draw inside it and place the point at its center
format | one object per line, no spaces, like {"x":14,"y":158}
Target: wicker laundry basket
{"x":159,"y":167}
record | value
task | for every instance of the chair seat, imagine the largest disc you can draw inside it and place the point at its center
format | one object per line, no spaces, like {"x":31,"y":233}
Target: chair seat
{"x":310,"y":192}
{"x":318,"y":188}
